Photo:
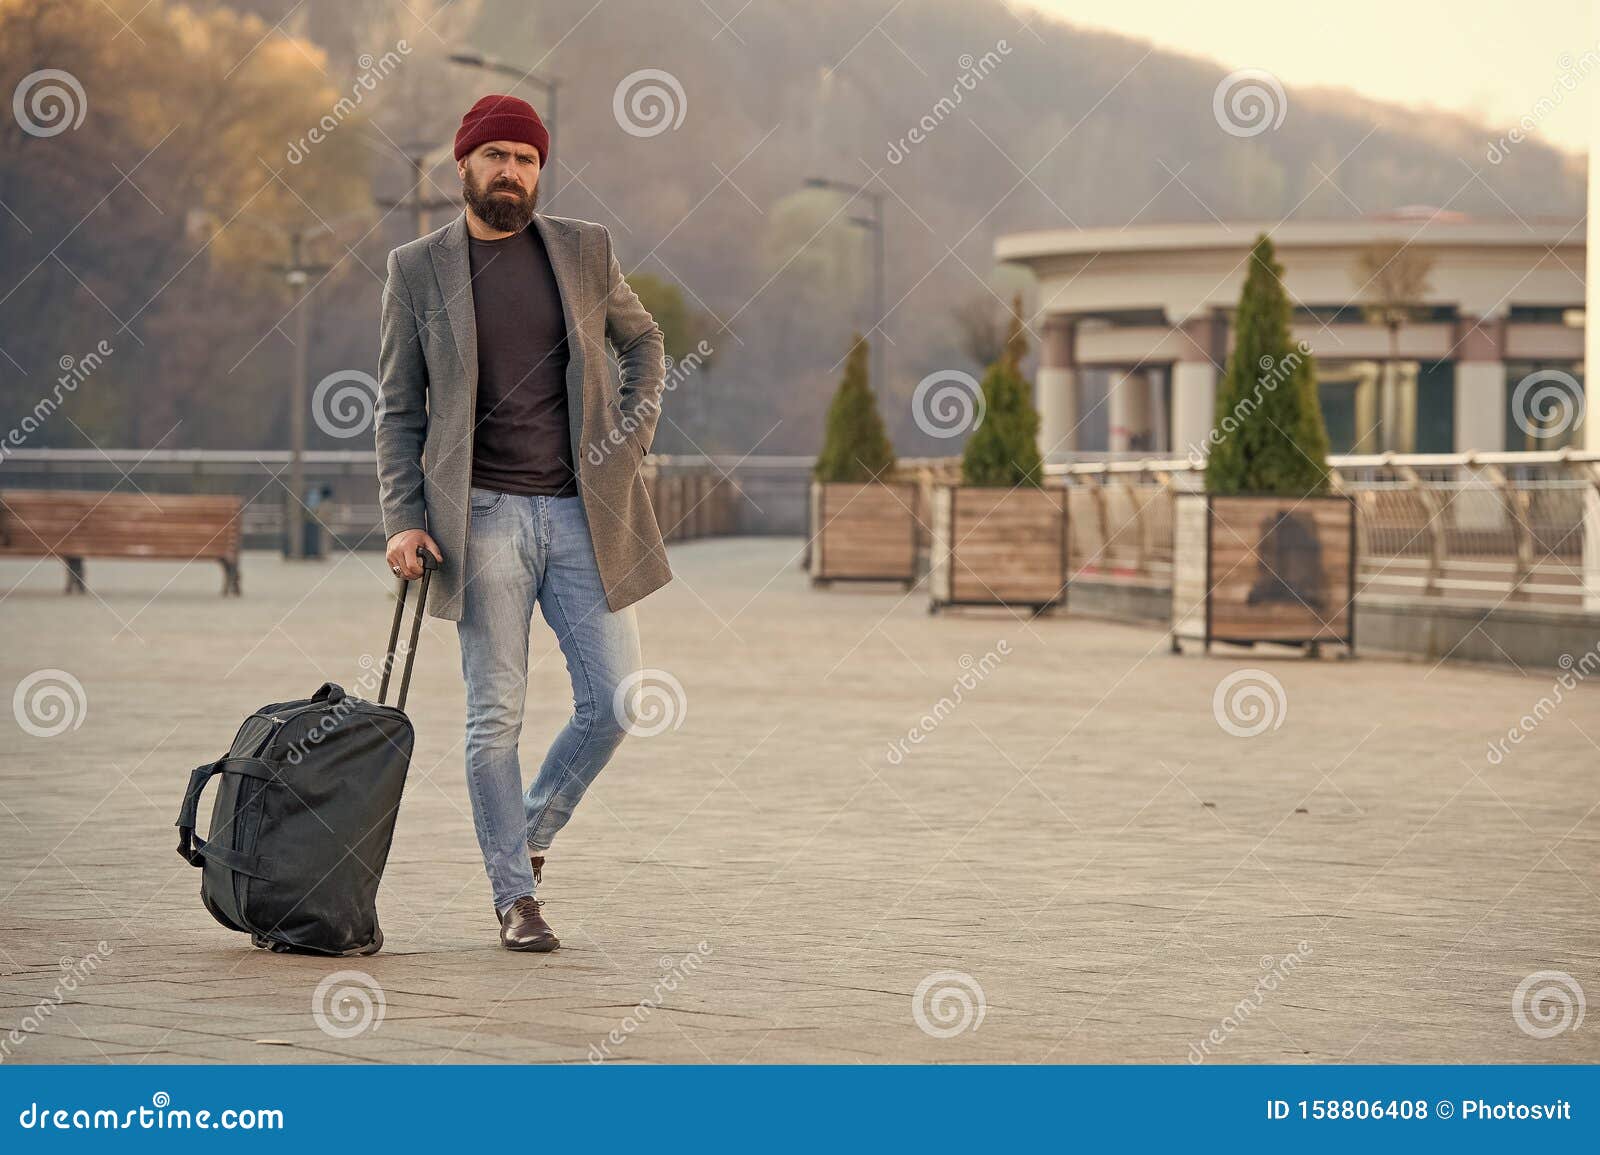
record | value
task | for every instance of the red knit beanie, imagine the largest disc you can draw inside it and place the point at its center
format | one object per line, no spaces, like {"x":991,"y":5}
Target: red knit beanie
{"x":502,"y":118}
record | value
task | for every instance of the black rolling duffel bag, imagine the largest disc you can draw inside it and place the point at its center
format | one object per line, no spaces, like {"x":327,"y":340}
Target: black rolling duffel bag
{"x":305,"y":811}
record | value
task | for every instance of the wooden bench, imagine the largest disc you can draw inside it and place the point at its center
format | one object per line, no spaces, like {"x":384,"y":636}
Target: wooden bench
{"x":72,"y":525}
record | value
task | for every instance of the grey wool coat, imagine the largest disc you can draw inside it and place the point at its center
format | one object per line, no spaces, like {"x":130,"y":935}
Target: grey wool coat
{"x":427,"y":403}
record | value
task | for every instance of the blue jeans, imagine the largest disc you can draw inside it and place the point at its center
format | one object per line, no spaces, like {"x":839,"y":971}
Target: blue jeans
{"x":522,"y":550}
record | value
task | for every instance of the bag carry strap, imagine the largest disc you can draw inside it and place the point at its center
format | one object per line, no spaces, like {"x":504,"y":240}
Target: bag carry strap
{"x":191,"y":848}
{"x":429,"y":564}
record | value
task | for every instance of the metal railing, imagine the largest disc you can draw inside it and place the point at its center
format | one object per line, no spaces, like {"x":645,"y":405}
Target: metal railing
{"x":1483,"y":527}
{"x":1486,"y":528}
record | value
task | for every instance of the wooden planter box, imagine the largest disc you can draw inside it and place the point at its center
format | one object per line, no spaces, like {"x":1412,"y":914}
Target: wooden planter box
{"x":1248,"y":569}
{"x":864,"y":531}
{"x":996,"y":546}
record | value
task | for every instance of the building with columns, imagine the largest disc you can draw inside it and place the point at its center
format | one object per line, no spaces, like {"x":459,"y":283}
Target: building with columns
{"x":1134,"y":327}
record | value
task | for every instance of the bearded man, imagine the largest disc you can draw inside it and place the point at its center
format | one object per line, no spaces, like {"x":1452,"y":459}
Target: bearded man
{"x":507,"y":450}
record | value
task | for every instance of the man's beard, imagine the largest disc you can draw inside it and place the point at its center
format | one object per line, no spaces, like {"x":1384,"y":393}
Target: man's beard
{"x":502,"y":214}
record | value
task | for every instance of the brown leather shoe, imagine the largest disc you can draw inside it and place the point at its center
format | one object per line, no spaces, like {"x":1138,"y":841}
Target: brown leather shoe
{"x":522,"y":927}
{"x":537,"y":862}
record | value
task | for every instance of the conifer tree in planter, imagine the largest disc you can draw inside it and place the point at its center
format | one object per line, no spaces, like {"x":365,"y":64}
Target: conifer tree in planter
{"x":1000,"y":537}
{"x":863,"y":524}
{"x":1265,"y":553}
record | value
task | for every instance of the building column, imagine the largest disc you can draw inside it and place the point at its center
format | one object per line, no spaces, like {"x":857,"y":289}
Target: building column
{"x":1057,"y":389}
{"x":1194,"y":405}
{"x":1480,"y":417}
{"x":1591,"y":311}
{"x":1128,"y":405}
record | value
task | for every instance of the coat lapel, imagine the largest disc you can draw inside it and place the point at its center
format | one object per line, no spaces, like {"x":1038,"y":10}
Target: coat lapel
{"x":564,"y":246}
{"x":452,"y":265}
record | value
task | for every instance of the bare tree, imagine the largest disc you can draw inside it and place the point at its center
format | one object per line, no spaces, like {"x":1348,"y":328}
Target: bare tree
{"x":1391,"y":282}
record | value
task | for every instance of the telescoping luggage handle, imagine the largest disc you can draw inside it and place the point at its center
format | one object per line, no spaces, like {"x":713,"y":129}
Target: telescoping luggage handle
{"x":429,"y":564}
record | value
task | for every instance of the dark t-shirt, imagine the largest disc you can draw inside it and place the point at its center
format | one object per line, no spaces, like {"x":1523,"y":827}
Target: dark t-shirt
{"x":522,"y":442}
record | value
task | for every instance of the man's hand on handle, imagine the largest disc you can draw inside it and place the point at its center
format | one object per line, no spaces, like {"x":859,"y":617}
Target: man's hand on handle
{"x":402,"y":552}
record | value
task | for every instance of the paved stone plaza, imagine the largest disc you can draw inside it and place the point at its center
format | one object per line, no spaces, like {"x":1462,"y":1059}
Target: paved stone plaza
{"x":773,"y":879}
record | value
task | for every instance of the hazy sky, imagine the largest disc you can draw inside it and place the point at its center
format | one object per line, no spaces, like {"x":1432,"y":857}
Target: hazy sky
{"x":1491,"y":59}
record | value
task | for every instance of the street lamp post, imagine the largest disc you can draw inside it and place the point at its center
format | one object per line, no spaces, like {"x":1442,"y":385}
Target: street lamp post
{"x":523,"y":76}
{"x":874,"y":225}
